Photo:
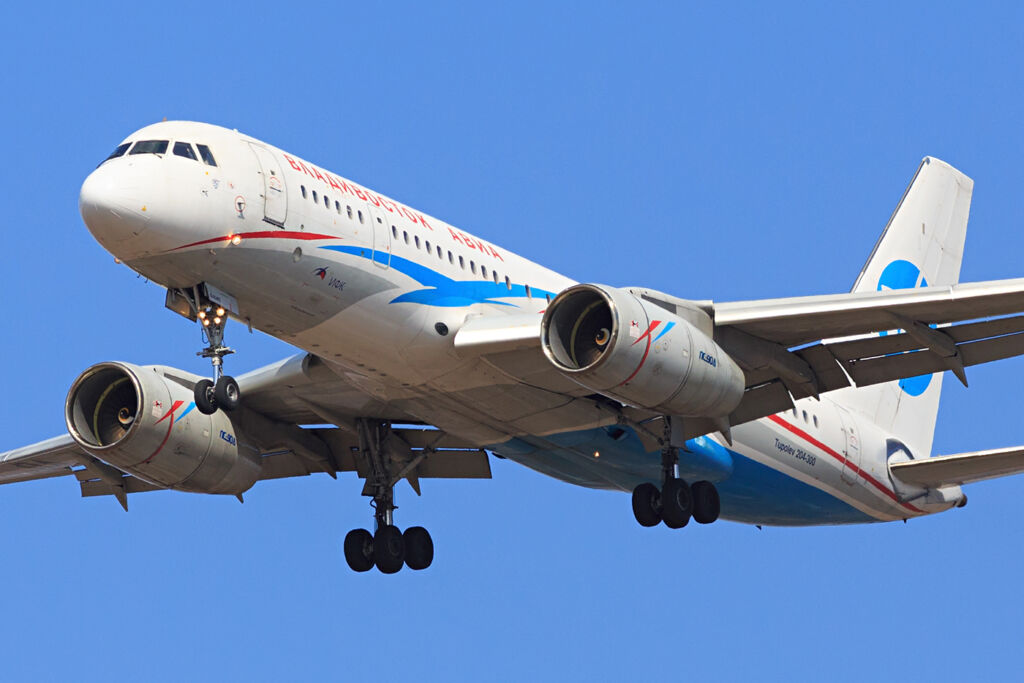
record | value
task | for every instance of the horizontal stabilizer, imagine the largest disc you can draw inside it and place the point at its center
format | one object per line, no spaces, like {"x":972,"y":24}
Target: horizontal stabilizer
{"x":962,"y":468}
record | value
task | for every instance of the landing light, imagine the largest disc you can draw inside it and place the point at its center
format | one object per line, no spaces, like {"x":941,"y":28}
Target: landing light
{"x":202,"y":315}
{"x":216,"y":321}
{"x":206,"y":323}
{"x":236,"y":240}
{"x":220,"y":313}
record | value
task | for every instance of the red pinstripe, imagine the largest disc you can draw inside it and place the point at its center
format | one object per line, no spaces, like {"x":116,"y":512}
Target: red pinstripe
{"x":817,"y":444}
{"x":262,"y":234}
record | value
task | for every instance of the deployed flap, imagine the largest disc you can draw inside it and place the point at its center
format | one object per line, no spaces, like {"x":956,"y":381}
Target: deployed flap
{"x":51,"y":458}
{"x":962,"y":468}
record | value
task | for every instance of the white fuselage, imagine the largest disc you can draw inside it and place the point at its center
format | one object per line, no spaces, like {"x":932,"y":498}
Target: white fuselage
{"x":368,"y":285}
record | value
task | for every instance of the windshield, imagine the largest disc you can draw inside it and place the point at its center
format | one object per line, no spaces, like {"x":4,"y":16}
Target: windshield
{"x":149,"y":147}
{"x":121,"y":149}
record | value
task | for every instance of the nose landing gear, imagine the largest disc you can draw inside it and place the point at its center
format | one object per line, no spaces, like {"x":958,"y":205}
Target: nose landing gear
{"x":222,"y":391}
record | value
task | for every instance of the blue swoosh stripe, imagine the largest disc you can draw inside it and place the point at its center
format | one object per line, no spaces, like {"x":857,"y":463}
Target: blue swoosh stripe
{"x":441,"y":290}
{"x":187,"y":411}
{"x":665,"y":331}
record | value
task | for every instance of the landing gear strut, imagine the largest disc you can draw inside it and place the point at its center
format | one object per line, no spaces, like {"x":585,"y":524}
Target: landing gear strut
{"x":676,"y":502}
{"x":387,"y":548}
{"x":222,"y":391}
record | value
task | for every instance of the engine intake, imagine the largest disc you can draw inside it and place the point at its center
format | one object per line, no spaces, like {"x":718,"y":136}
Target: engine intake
{"x":638,"y":353}
{"x":143,"y":423}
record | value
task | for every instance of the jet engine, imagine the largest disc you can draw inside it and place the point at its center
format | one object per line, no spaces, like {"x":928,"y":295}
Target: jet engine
{"x":639,"y":353}
{"x":142,"y":420}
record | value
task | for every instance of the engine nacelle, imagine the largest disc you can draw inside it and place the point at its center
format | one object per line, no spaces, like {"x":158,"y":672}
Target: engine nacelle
{"x":638,"y":353}
{"x":145,"y":424}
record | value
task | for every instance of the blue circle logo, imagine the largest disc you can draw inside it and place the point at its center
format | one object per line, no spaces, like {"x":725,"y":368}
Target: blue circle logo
{"x":905,"y":275}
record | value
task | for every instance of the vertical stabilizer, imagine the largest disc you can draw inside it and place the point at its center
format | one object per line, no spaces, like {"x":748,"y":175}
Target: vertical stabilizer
{"x":922,"y":245}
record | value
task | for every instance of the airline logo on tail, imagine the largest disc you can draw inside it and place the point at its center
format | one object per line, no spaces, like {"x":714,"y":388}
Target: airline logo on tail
{"x":905,"y":275}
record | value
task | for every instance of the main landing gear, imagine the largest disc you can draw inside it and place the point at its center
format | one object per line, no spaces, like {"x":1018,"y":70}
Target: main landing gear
{"x":387,"y":548}
{"x":222,"y":391}
{"x":676,"y":502}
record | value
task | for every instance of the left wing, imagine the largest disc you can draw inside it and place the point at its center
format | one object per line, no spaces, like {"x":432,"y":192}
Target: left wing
{"x":873,"y":337}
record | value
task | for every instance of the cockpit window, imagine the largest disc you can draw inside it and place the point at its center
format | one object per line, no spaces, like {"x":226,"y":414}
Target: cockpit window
{"x":206,"y":154}
{"x":149,"y":147}
{"x":121,"y":149}
{"x":184,"y":149}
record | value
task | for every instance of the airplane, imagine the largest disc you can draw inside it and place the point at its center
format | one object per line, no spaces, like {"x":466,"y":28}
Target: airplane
{"x":425,"y":350}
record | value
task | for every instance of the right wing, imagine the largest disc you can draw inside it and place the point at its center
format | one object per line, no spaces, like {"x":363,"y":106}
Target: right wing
{"x":279,"y":398}
{"x":962,"y":468}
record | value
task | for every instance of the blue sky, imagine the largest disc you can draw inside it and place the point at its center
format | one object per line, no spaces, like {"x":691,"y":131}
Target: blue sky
{"x":735,"y":152}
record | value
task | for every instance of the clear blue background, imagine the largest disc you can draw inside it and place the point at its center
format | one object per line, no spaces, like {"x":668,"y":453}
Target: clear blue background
{"x":751,"y":150}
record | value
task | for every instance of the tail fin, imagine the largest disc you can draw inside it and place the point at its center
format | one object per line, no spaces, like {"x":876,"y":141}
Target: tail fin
{"x":922,"y":245}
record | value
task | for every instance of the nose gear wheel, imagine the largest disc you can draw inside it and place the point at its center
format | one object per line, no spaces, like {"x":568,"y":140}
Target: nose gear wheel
{"x":222,"y":391}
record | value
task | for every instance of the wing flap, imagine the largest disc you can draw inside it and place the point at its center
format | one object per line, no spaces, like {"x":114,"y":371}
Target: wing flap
{"x":962,"y":468}
{"x":51,"y":458}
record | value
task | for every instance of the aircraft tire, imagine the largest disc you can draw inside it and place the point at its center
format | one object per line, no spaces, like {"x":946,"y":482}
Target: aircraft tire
{"x":647,"y":504}
{"x":226,"y":393}
{"x":388,"y":549}
{"x":706,"y":503}
{"x":419,"y":548}
{"x":204,"y":396}
{"x":359,"y":550}
{"x":676,"y":504}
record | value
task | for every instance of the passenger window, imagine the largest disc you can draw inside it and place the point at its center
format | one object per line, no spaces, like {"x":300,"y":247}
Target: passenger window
{"x":805,"y":416}
{"x":360,"y":216}
{"x":394,"y":232}
{"x":472,"y":267}
{"x":440,"y":255}
{"x":548,"y":297}
{"x":405,"y":236}
{"x":416,"y":239}
{"x":348,"y":210}
{"x":815,"y":421}
{"x":494,"y":275}
{"x":462,"y":262}
{"x":149,"y":147}
{"x":427,"y":246}
{"x":508,"y":283}
{"x":184,"y":149}
{"x":316,"y":200}
{"x":337,"y":206}
{"x":450,"y":258}
{"x":118,"y":151}
{"x":483,"y":270}
{"x":529,"y":294}
{"x":327,"y":202}
{"x":206,"y":155}
{"x":303,"y":188}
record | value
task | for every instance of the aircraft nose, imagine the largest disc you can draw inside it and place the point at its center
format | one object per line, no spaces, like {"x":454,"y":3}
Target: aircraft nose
{"x":112,"y":208}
